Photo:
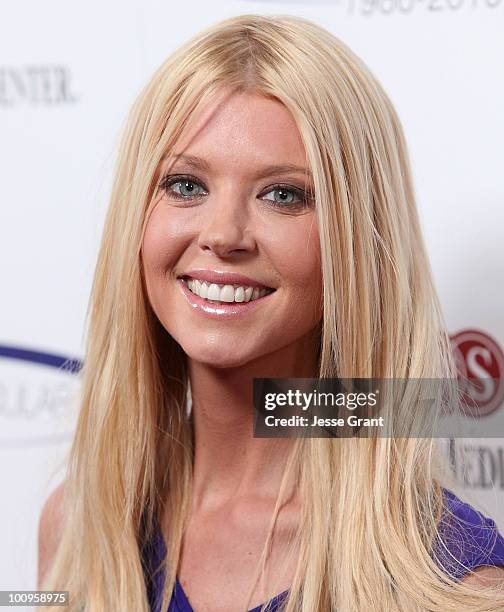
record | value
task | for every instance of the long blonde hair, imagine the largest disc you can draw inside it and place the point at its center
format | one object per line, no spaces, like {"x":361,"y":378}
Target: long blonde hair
{"x":370,"y":506}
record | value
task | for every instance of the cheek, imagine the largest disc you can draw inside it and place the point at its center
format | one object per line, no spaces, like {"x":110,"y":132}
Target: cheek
{"x":164,"y":239}
{"x":298,"y":259}
{"x":163,"y":243}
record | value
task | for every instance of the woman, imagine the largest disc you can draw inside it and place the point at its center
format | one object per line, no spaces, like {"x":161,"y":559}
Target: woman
{"x":262,"y":223}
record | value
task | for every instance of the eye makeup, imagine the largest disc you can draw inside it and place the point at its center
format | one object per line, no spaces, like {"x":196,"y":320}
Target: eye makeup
{"x":290,"y":197}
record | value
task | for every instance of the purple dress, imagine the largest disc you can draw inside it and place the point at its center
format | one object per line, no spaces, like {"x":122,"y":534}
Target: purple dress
{"x":468,"y":539}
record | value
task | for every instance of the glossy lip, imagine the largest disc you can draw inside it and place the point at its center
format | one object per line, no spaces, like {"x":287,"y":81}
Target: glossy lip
{"x":223,"y":278}
{"x":221,"y":310}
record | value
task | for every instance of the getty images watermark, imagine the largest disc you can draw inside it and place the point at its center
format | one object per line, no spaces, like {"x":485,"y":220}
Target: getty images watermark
{"x":369,"y":407}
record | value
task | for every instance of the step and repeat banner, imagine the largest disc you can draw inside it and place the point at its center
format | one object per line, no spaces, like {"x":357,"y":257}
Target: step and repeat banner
{"x":69,"y":73}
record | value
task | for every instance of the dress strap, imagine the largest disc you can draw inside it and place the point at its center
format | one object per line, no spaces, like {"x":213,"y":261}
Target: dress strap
{"x":466,"y":539}
{"x":153,"y":553}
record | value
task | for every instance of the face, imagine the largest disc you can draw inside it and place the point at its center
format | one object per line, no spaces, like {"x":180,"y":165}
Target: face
{"x":231,"y":251}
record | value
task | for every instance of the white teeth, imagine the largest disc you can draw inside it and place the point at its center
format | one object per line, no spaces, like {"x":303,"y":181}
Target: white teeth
{"x":213,"y":292}
{"x":248,"y":293}
{"x":225,"y":293}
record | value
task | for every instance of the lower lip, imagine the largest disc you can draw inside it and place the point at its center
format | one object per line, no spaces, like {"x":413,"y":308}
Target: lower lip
{"x":221,"y":310}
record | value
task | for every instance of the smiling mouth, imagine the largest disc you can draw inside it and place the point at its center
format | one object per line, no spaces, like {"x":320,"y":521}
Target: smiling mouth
{"x":224,"y":293}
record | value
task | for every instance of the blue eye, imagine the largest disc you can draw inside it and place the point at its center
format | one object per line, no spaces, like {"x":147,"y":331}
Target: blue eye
{"x":287,"y":195}
{"x":187,"y":188}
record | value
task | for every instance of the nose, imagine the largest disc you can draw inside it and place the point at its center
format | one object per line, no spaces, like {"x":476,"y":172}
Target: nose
{"x":226,"y":227}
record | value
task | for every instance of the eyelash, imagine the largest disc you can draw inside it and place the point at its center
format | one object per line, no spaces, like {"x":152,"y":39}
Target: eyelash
{"x":305,"y":197}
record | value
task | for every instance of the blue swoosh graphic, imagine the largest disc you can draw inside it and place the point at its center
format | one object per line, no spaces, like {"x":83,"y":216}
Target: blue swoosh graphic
{"x":53,"y":360}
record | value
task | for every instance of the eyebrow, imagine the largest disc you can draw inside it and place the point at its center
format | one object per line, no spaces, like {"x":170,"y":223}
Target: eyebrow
{"x":201,"y":164}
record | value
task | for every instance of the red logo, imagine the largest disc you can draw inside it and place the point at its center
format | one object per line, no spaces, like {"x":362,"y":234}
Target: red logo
{"x":480,"y":363}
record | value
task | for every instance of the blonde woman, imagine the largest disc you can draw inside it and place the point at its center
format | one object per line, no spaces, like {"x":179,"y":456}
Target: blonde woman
{"x":262,"y":223}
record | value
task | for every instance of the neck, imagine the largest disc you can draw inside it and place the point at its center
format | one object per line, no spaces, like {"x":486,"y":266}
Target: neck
{"x":229,"y":463}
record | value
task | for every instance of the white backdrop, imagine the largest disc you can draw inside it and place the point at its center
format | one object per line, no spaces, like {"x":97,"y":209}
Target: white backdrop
{"x":68,"y":74}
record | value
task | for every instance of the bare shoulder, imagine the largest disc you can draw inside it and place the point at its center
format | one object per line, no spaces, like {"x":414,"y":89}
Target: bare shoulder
{"x":484,"y":576}
{"x":49,"y":530}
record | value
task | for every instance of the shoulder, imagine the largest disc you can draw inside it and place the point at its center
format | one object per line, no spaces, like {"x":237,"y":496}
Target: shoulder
{"x":49,"y":530}
{"x":468,"y":541}
{"x":486,"y":576}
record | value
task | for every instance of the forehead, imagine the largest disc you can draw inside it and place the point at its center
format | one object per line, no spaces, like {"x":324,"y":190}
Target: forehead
{"x":243,"y":128}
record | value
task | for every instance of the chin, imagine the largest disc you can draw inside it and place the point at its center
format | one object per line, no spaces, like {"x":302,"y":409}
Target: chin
{"x":216,"y":355}
{"x":225,"y":364}
{"x":218,"y":361}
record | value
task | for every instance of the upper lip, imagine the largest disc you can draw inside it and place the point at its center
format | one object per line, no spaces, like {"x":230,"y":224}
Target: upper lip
{"x":223,"y":278}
